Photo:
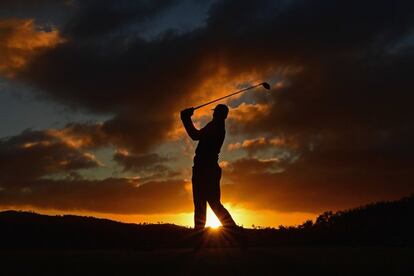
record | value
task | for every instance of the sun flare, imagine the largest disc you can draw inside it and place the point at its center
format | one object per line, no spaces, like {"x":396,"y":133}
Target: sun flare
{"x":212,"y":220}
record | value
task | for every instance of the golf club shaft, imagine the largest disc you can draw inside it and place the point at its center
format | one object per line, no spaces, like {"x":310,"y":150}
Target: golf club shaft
{"x":237,"y":92}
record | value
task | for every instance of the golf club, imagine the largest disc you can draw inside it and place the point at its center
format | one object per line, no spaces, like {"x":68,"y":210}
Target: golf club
{"x":264,"y":84}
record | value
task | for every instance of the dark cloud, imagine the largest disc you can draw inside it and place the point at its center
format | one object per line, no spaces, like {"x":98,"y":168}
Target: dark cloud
{"x":21,"y":40}
{"x":279,"y":146}
{"x":150,"y":167}
{"x":23,"y":5}
{"x":140,"y":85}
{"x":316,"y":184}
{"x":111,"y":195}
{"x":35,"y":154}
{"x":46,"y":13}
{"x":347,"y":108}
{"x":337,"y":45}
{"x":94,"y":18}
{"x":29,"y":161}
{"x":145,"y":162}
{"x":85,"y":135}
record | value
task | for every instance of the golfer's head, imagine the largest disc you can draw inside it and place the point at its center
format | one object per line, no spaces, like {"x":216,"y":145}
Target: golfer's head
{"x":220,"y":112}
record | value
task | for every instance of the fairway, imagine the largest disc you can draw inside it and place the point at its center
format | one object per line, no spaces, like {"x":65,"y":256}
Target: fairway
{"x":213,"y":261}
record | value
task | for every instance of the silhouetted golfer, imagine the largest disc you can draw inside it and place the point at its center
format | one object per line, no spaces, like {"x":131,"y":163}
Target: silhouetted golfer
{"x":206,"y":171}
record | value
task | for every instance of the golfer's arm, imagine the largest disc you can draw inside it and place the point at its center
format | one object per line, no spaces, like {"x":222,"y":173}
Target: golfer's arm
{"x":191,"y":130}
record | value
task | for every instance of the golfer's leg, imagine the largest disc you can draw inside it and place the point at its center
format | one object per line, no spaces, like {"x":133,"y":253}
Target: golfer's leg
{"x":222,"y":214}
{"x":199,"y":212}
{"x":214,"y":200}
{"x":200,"y":205}
{"x":199,"y":199}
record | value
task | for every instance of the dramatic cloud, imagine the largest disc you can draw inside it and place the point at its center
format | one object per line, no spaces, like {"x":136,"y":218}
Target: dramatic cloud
{"x":34,"y":154}
{"x":149,"y":167}
{"x":112,"y":195}
{"x":313,"y":185}
{"x":95,"y":18}
{"x":30,"y":161}
{"x":86,"y":136}
{"x":140,"y":162}
{"x":262,"y":144}
{"x":340,"y":103}
{"x":20,"y":40}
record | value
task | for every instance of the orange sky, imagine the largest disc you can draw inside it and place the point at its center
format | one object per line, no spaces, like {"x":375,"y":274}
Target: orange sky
{"x":245,"y":217}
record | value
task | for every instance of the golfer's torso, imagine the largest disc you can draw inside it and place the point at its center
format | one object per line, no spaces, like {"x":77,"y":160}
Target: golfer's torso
{"x":208,"y":148}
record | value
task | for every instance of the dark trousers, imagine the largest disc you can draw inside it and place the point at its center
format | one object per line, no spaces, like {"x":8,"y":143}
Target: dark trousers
{"x":206,"y":188}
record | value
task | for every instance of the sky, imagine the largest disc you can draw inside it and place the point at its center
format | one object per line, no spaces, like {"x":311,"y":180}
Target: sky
{"x":90,"y":95}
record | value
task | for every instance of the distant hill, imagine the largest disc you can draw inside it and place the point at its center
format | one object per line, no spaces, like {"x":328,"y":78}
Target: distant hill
{"x":382,"y":223}
{"x":30,"y":230}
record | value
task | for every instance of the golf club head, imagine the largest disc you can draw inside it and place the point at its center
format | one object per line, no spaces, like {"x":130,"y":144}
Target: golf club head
{"x":266,"y":85}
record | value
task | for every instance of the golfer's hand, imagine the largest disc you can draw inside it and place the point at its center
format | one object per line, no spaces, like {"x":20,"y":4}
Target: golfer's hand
{"x":188,"y":112}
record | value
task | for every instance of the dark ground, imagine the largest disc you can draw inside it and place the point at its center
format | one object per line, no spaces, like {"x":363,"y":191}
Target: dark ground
{"x":375,"y":239}
{"x":213,"y":261}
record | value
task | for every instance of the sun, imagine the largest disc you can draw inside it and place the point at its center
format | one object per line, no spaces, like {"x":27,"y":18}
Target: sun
{"x":212,"y":220}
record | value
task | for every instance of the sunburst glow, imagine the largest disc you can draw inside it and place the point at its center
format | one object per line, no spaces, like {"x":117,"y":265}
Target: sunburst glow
{"x":212,"y":220}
